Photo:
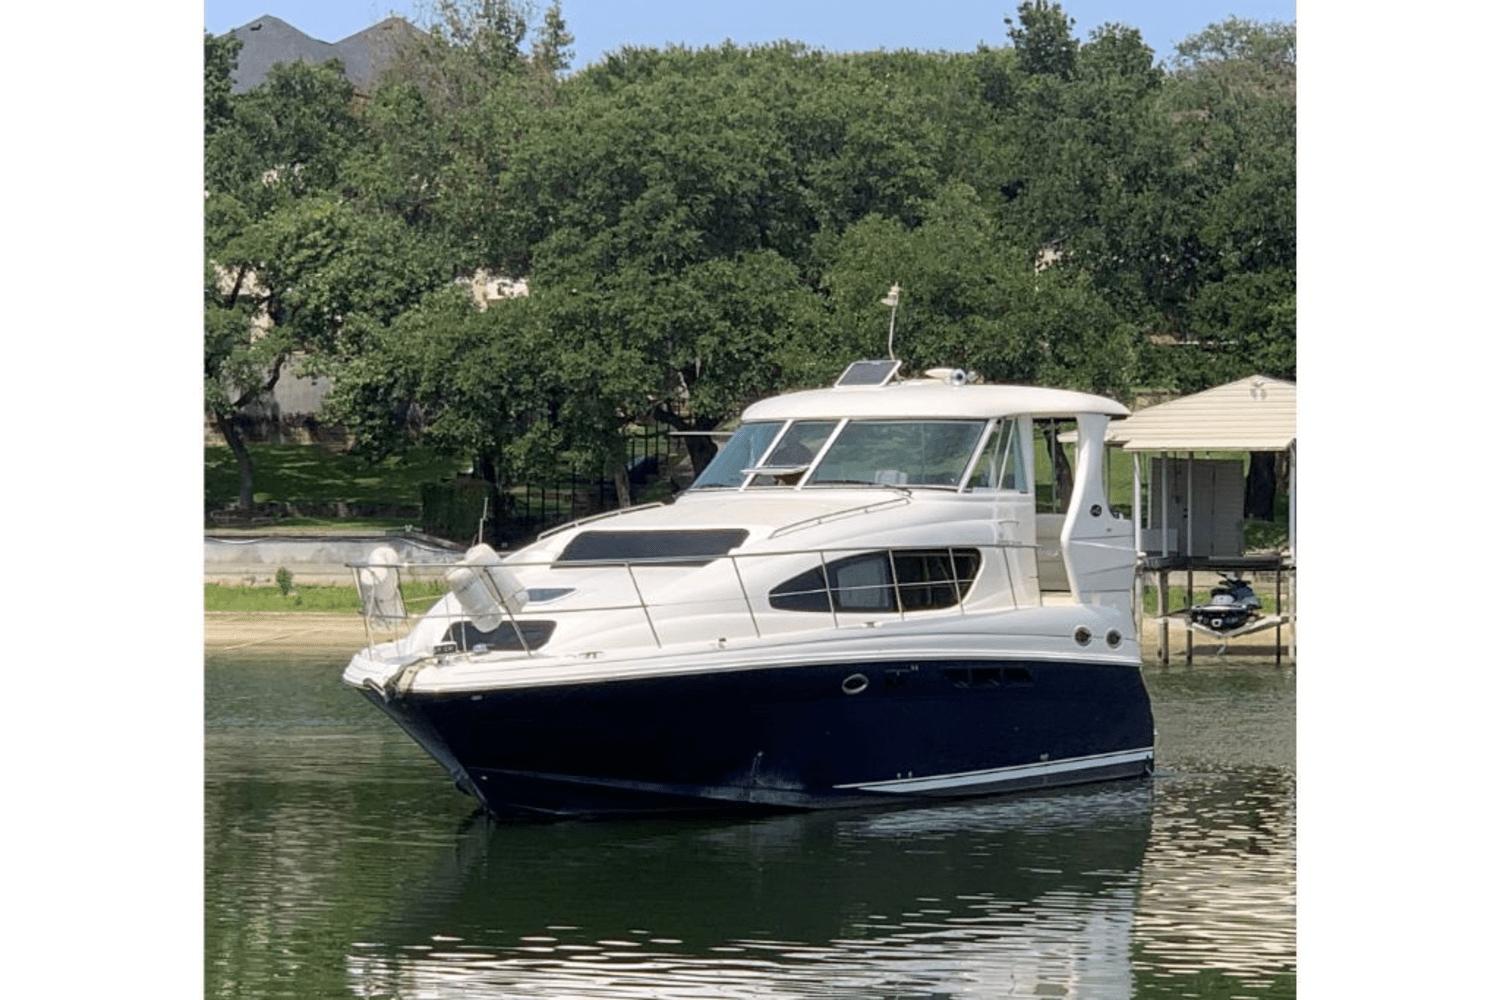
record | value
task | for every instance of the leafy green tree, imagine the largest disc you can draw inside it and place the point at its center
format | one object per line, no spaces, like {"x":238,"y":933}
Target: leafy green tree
{"x":689,"y":348}
{"x":1042,"y":34}
{"x":467,"y":382}
{"x":220,"y":56}
{"x":1234,"y":103}
{"x":553,"y":52}
{"x":313,"y":280}
{"x":972,"y":300}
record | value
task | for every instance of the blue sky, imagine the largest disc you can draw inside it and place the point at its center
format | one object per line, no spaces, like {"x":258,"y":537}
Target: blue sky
{"x":839,"y":25}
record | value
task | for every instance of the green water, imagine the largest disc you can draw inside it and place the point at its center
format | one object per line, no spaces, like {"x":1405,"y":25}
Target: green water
{"x":341,"y":863}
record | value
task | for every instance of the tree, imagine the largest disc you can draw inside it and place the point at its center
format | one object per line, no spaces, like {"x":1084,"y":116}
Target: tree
{"x":973,"y":300}
{"x":1043,"y":39}
{"x":470,"y":383}
{"x":689,"y":348}
{"x":1233,"y":100}
{"x":313,"y":279}
{"x":220,"y":56}
{"x":553,"y":52}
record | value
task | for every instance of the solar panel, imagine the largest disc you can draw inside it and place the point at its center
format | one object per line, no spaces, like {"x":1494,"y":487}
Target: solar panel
{"x":868,"y":373}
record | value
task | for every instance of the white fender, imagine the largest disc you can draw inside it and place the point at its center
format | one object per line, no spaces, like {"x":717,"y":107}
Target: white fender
{"x":486,"y":589}
{"x":380,"y":587}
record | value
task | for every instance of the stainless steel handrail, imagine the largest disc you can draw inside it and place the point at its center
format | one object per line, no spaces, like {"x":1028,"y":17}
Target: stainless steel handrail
{"x":964,"y":594}
{"x":598,"y":517}
{"x":808,"y":522}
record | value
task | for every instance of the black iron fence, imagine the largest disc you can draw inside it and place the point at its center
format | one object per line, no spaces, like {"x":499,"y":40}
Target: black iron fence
{"x":456,"y":509}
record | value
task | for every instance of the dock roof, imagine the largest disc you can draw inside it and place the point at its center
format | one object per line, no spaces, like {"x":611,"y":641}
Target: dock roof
{"x":1257,"y":413}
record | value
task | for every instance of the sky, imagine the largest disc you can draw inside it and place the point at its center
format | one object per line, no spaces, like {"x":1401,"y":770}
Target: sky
{"x":601,"y":26}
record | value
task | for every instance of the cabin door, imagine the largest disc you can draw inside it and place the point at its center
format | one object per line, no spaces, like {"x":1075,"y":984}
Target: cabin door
{"x":1004,"y":472}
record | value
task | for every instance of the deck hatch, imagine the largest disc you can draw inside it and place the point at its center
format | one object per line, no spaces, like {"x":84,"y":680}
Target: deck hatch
{"x":691,"y":546}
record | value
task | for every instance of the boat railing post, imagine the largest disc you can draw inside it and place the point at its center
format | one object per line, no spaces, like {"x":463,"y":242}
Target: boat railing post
{"x":489,"y":584}
{"x":828,"y":588}
{"x":890,"y":558}
{"x":642,"y":599}
{"x":363,"y":611}
{"x":749,"y":609}
{"x":1010,"y":580}
{"x":401,"y":599}
{"x":958,"y":591}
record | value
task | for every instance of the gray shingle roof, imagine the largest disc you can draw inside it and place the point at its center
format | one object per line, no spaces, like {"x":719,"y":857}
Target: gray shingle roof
{"x":269,"y":40}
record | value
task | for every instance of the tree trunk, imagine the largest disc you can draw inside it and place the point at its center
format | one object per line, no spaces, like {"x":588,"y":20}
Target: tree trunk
{"x":1260,"y":486}
{"x":622,"y":486}
{"x":701,"y":450}
{"x":236,"y":442}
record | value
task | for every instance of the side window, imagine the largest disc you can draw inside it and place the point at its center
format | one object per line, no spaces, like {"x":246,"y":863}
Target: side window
{"x":863,"y":583}
{"x":1000,"y":465}
{"x":803,"y":592}
{"x":927,"y":579}
{"x":1013,"y":466}
{"x":987,"y":470}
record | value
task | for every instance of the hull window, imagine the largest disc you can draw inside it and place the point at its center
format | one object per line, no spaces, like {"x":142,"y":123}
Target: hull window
{"x":925,"y":580}
{"x":986,"y":677}
{"x":502,"y":639}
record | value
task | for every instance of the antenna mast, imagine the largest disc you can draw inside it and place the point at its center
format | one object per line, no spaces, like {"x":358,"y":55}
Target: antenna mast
{"x":892,"y":299}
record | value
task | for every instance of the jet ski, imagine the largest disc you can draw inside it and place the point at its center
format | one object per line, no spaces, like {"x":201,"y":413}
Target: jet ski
{"x":1231,"y":605}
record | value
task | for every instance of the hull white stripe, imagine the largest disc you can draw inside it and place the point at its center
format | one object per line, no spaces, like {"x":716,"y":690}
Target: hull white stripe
{"x":959,"y":779}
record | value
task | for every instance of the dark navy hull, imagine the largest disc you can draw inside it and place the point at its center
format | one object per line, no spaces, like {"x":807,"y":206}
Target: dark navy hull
{"x":787,"y":737}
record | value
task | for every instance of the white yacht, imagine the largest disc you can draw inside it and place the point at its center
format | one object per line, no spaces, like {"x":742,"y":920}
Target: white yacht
{"x":846,"y":607}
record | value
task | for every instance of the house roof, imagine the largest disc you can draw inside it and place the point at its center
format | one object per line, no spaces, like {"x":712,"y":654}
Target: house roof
{"x":930,"y":398}
{"x":1257,"y":413}
{"x":269,"y":40}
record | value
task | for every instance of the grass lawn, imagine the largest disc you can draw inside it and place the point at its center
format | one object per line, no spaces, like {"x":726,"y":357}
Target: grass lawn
{"x":307,"y":473}
{"x":419,"y":594}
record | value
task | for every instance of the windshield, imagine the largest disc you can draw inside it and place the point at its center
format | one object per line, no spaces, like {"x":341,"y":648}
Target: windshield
{"x":794,"y":452}
{"x":740,"y":452}
{"x":929,"y":453}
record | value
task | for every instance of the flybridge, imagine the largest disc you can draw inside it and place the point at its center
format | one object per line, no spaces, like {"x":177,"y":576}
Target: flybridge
{"x":871,"y":389}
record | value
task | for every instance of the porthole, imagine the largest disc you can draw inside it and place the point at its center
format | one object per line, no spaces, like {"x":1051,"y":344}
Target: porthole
{"x":1112,"y":637}
{"x":855,"y":683}
{"x":1082,"y":636}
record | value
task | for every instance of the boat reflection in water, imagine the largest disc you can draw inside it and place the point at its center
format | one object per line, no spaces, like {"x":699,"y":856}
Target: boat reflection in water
{"x":1031,"y":896}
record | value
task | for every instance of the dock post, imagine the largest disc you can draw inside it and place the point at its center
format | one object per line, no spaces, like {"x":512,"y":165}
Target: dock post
{"x":1189,"y":629}
{"x":1138,"y":605}
{"x":1161,"y":617}
{"x":1187,"y":549}
{"x":1278,"y":611}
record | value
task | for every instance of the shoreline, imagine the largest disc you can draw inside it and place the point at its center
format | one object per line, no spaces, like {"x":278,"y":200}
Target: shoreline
{"x":256,"y":632}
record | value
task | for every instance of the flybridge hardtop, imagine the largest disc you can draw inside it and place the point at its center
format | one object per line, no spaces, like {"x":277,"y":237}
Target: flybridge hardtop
{"x":932,"y":398}
{"x":848,"y":606}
